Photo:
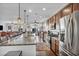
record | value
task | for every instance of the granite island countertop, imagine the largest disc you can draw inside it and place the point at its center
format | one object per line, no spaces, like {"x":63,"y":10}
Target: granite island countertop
{"x":19,"y":41}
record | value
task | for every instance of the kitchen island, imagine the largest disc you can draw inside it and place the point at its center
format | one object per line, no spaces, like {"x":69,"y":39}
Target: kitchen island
{"x":19,"y":43}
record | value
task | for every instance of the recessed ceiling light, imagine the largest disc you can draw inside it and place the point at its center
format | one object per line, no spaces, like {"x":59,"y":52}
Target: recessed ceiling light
{"x":43,"y":9}
{"x":30,"y":10}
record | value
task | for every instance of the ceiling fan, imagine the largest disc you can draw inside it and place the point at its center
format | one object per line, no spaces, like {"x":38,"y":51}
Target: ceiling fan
{"x":35,"y":22}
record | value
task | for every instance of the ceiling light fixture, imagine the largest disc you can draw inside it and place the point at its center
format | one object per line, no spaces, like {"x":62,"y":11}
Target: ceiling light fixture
{"x":19,"y":18}
{"x":43,"y":9}
{"x":30,"y":10}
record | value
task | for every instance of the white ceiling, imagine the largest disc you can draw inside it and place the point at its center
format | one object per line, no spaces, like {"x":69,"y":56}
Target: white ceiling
{"x":9,"y":11}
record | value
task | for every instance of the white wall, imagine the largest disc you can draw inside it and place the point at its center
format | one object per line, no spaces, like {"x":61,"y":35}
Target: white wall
{"x":27,"y":50}
{"x":9,"y":23}
{"x":4,"y":26}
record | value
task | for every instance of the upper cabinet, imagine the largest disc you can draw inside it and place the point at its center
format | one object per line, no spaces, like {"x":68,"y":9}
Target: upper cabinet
{"x":53,"y":19}
{"x":58,"y":16}
{"x":70,"y":8}
{"x":76,"y":7}
{"x":67,"y":10}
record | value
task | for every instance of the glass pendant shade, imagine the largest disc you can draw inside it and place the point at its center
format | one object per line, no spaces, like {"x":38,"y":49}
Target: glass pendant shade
{"x":19,"y":20}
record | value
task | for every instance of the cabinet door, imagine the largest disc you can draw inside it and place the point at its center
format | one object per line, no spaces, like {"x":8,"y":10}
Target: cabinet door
{"x":58,"y":16}
{"x":75,"y":6}
{"x":67,"y":10}
{"x":53,"y":44}
{"x":57,"y":47}
{"x":52,"y":21}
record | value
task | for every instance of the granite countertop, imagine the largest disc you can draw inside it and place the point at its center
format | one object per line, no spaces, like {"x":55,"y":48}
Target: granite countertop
{"x":19,"y":40}
{"x":17,"y":44}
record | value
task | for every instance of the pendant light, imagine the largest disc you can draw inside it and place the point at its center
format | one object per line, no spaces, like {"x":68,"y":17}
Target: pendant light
{"x":19,"y":18}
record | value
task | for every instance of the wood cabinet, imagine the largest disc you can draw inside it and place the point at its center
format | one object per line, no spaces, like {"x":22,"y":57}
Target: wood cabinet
{"x":67,"y":10}
{"x":55,"y":45}
{"x":76,"y":7}
{"x":2,"y":34}
{"x":53,"y":21}
{"x":70,"y":8}
{"x":58,"y":16}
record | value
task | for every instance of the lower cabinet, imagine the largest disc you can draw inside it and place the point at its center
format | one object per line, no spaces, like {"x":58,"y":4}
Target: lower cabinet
{"x":54,"y":45}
